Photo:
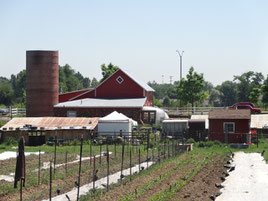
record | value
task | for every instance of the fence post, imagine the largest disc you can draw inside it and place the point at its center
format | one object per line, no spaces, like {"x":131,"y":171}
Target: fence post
{"x":139,"y":158}
{"x":66,"y":162}
{"x":108,"y":172}
{"x":100,"y":152}
{"x":94,"y":172}
{"x":80,"y":164}
{"x":130,"y":164}
{"x":168,"y":149}
{"x":115,"y":149}
{"x":148,"y":141}
{"x":55,"y":153}
{"x":39,"y":164}
{"x":122,"y":159}
{"x":90,"y":152}
{"x":50,"y":181}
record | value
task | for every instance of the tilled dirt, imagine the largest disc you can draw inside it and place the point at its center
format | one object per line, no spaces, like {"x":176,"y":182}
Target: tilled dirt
{"x":203,"y":184}
{"x":199,"y":188}
{"x":121,"y":191}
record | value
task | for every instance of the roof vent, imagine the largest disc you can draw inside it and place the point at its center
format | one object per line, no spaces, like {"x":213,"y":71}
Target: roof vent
{"x":119,"y":79}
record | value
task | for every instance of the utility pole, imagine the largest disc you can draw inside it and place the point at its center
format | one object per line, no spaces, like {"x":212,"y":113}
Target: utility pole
{"x":170,"y":79}
{"x":162,"y":79}
{"x":180,"y":54}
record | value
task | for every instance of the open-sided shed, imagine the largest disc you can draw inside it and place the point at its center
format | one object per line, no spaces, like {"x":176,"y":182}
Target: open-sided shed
{"x":176,"y":128}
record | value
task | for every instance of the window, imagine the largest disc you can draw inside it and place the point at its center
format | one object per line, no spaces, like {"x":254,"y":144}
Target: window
{"x":148,"y":117}
{"x":119,"y":79}
{"x":71,"y":113}
{"x":229,"y":127}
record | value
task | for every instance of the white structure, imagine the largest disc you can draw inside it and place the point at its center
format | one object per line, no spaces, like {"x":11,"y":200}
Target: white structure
{"x":174,"y":127}
{"x":115,"y":122}
{"x":160,"y":113}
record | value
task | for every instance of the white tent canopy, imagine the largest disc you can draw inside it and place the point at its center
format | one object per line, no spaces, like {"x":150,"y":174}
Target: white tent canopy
{"x":117,"y":117}
{"x":115,"y":123}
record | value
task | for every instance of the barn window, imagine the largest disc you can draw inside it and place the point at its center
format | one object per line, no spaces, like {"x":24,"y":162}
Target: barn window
{"x":119,"y":79}
{"x":229,"y":127}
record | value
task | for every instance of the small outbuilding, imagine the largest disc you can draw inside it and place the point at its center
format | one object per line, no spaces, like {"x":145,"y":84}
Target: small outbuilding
{"x":229,"y":126}
{"x":38,"y":130}
{"x":176,"y":128}
{"x":197,"y":129}
{"x":116,"y":124}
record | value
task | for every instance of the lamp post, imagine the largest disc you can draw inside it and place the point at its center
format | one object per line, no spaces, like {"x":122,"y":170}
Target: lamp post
{"x":180,"y":54}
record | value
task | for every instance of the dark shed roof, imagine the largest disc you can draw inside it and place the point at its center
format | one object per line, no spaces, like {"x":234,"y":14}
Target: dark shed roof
{"x":229,"y":114}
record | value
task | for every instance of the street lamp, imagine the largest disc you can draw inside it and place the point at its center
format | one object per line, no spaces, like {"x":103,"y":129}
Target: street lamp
{"x":180,"y":54}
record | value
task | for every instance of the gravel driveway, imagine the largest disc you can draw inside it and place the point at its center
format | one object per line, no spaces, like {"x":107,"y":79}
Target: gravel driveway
{"x":249,"y":180}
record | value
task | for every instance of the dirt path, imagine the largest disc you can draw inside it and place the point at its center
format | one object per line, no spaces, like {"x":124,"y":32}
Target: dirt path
{"x":249,"y":181}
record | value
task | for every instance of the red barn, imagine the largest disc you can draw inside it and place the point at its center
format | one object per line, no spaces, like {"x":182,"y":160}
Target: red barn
{"x":229,"y":126}
{"x":121,"y":92}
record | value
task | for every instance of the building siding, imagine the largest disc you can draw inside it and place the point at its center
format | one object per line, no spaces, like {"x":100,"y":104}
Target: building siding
{"x":134,"y":113}
{"x":216,"y":130}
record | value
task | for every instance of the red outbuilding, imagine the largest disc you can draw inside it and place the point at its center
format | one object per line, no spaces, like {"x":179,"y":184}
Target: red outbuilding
{"x":229,"y":126}
{"x":121,"y":92}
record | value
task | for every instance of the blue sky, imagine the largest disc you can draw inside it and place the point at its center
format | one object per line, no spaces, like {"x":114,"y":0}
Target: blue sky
{"x":220,"y":38}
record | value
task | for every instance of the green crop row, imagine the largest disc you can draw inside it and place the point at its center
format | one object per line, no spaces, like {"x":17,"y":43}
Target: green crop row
{"x":149,"y":184}
{"x":168,"y":193}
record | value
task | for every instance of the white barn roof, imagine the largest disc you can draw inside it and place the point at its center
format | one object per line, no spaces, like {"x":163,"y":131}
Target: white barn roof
{"x":99,"y":103}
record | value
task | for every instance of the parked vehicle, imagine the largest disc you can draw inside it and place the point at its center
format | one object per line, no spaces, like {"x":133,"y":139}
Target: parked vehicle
{"x":246,"y":106}
{"x":4,"y":111}
{"x":242,"y":103}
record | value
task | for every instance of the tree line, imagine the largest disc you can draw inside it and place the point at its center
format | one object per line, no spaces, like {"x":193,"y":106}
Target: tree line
{"x":13,"y":90}
{"x":195,"y":91}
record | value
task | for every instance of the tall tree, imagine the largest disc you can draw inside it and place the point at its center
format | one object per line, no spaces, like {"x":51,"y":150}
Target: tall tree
{"x":107,"y":70}
{"x":246,"y":82}
{"x":6,"y":93}
{"x":254,"y":95}
{"x":228,"y":93}
{"x":190,"y":90}
{"x":265,"y":91}
{"x":214,"y":98}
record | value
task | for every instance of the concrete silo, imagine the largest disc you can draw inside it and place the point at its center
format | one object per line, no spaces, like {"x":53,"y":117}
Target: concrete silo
{"x":42,"y":82}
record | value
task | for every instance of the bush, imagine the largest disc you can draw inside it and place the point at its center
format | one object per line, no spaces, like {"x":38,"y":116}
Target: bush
{"x":190,"y":140}
{"x":217,"y":142}
{"x":201,"y":144}
{"x":209,"y":144}
{"x":11,"y":141}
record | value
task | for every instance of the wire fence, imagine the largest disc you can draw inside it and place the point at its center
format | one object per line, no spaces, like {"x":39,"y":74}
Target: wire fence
{"x":99,"y":157}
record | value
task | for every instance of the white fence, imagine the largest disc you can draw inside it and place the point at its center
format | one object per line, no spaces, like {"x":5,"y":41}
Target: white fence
{"x":18,"y":112}
{"x":189,"y":110}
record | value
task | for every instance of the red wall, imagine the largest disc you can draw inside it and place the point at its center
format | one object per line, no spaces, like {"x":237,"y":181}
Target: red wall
{"x":67,"y":96}
{"x":216,"y":131}
{"x":112,"y":89}
{"x":134,"y":113}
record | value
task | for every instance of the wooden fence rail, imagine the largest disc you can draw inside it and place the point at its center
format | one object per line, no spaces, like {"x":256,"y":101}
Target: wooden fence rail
{"x":189,"y":110}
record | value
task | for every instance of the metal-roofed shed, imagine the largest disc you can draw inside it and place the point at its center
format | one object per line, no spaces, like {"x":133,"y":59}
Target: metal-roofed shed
{"x":65,"y":128}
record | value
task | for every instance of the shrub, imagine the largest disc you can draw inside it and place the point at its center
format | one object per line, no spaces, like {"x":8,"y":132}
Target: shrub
{"x":209,"y":144}
{"x":217,"y":142}
{"x":190,"y":140}
{"x":201,"y":144}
